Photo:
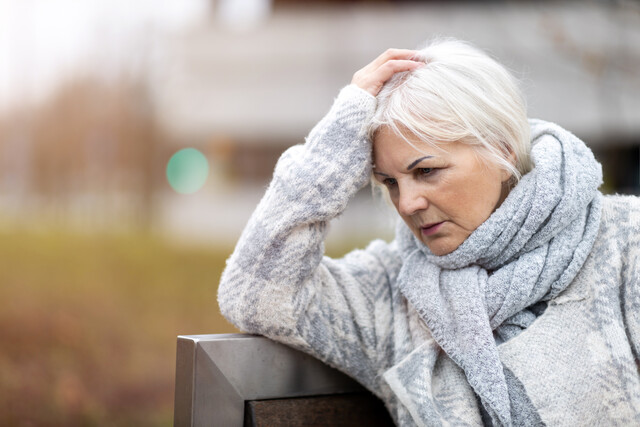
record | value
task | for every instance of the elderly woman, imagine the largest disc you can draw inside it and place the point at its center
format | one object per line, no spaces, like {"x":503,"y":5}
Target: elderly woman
{"x":510,"y":295}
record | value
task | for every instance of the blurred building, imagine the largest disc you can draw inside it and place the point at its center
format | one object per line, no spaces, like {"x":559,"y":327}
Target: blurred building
{"x":245,"y":89}
{"x":242,"y":80}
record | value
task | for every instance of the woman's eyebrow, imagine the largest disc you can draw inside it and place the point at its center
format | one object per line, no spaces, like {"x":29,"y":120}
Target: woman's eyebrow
{"x":380,"y":173}
{"x":415,"y":162}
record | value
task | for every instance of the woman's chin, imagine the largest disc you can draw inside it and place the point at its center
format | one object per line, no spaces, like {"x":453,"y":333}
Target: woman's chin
{"x":439,"y":246}
{"x":439,"y":251}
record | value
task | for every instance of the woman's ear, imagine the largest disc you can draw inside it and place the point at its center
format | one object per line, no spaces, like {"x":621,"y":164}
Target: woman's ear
{"x":507,"y":176}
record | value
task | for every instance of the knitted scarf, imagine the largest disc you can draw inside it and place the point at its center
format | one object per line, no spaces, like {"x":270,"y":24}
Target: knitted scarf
{"x":527,"y":252}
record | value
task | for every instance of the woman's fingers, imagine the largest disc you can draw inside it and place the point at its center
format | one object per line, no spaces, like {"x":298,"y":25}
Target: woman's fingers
{"x":390,"y":54}
{"x":389,"y":68}
{"x":374,"y":75}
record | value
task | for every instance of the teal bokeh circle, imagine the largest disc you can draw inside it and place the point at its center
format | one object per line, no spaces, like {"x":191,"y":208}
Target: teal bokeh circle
{"x":187,"y":171}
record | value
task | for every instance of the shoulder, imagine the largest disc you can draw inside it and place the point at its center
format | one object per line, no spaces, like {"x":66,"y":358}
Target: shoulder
{"x":615,"y":256}
{"x":616,"y":248}
{"x":377,"y":252}
{"x":621,"y":228}
{"x":377,"y":264}
{"x":616,"y":205}
{"x":619,"y":233}
{"x":621,"y":225}
{"x":387,"y":253}
{"x":620,"y":218}
{"x":617,"y":202}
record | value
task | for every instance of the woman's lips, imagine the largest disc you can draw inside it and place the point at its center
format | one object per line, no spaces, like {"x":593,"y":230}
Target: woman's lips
{"x":430,"y":229}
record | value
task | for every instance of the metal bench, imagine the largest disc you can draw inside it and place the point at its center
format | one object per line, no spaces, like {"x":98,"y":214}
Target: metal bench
{"x":246,"y":380}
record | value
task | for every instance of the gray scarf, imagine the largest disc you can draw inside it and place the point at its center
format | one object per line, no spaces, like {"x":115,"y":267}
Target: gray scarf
{"x":527,"y":252}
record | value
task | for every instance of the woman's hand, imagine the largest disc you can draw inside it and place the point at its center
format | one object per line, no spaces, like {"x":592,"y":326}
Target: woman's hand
{"x":374,"y":75}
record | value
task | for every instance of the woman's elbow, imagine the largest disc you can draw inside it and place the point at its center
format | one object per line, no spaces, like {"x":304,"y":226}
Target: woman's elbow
{"x":231,"y":302}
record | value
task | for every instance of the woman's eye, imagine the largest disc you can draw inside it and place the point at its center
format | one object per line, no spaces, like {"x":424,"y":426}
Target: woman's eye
{"x":390,"y":182}
{"x":425,"y":171}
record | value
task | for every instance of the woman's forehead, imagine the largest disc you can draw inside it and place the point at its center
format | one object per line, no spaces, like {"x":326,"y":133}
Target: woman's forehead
{"x":388,"y":142}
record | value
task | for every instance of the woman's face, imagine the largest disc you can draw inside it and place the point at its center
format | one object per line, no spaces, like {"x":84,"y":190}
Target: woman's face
{"x":443,"y":194}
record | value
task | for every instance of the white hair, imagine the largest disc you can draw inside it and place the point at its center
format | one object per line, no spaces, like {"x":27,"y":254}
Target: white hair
{"x":461,"y":94}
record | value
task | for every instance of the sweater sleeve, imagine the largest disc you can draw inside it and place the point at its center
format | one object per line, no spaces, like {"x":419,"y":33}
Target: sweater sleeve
{"x":277,"y":282}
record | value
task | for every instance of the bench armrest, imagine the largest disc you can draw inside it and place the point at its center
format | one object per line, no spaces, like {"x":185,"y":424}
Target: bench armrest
{"x":217,"y":374}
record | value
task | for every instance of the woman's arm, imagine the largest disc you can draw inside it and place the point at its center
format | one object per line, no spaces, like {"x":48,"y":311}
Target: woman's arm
{"x":276,"y":282}
{"x":282,"y":245}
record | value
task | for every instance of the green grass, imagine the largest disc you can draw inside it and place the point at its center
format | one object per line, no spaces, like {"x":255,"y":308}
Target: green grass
{"x":88,"y":325}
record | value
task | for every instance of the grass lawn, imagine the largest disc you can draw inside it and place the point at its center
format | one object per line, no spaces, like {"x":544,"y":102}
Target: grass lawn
{"x":88,"y":325}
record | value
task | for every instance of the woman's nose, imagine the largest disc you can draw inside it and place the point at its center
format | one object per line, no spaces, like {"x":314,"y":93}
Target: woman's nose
{"x":411,"y":199}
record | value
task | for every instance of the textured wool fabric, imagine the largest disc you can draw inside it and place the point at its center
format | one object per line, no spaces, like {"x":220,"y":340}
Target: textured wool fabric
{"x":534,"y":244}
{"x":573,"y":364}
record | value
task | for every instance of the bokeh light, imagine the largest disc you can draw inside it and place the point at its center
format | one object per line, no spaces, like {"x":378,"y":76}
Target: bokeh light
{"x":187,"y":171}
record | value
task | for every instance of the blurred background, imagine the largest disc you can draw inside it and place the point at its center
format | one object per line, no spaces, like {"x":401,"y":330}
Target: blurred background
{"x":107,"y":252}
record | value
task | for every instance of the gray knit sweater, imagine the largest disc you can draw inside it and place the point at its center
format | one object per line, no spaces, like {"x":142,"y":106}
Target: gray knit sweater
{"x":577,"y":363}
